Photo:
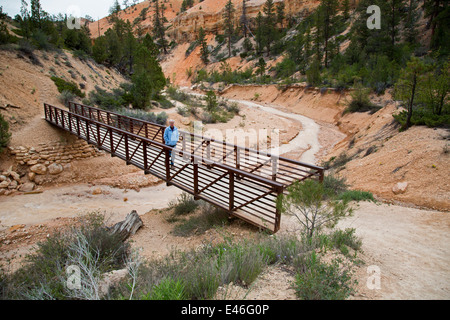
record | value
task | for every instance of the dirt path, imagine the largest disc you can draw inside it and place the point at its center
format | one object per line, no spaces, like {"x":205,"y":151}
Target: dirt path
{"x":70,"y":201}
{"x":307,"y":139}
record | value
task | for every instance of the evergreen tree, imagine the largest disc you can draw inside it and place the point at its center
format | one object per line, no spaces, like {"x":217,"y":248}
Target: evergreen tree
{"x":36,"y":13}
{"x":270,"y":32}
{"x":438,"y":14}
{"x":281,"y":15}
{"x":412,"y":18}
{"x":326,"y":24}
{"x":148,"y":79}
{"x":244,"y":18}
{"x":204,"y":52}
{"x":407,"y":86}
{"x":159,"y":29}
{"x":395,"y":14}
{"x":228,"y":24}
{"x":259,"y":33}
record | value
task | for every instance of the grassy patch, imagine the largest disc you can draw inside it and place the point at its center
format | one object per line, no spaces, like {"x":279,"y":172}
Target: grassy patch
{"x":198,"y":274}
{"x":89,"y":246}
{"x":209,"y":217}
{"x":356,"y":195}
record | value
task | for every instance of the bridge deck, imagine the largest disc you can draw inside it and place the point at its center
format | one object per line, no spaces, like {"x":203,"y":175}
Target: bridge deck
{"x":242,"y":181}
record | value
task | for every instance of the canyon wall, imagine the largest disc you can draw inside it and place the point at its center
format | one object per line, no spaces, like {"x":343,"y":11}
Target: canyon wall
{"x":209,"y":15}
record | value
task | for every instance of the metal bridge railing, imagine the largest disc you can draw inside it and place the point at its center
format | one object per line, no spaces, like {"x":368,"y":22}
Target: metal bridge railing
{"x":244,"y":194}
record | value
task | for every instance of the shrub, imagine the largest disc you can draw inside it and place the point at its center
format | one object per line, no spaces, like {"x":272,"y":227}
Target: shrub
{"x":4,"y":133}
{"x":184,"y":204}
{"x":335,"y":185}
{"x":424,"y":118}
{"x":71,"y":87}
{"x":323,"y":281}
{"x":345,"y":237}
{"x":313,"y":206}
{"x":338,"y":162}
{"x":27,"y":49}
{"x":361,"y":101}
{"x":65,"y":97}
{"x":160,"y":118}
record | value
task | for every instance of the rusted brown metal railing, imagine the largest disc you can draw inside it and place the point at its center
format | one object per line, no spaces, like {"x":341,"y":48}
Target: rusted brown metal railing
{"x":247,"y":193}
{"x":263,"y":164}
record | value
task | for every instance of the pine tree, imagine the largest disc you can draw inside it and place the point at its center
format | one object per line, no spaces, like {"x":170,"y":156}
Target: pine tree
{"x":346,"y":9}
{"x":36,"y":13}
{"x":204,"y":52}
{"x":411,"y":22}
{"x":395,"y":15}
{"x":281,"y":15}
{"x":326,"y":24}
{"x":25,"y":19}
{"x":244,"y":19}
{"x":259,"y":32}
{"x":159,"y":29}
{"x":270,"y":31}
{"x":228,"y":24}
{"x":438,"y":14}
{"x":148,"y":79}
{"x":407,"y":86}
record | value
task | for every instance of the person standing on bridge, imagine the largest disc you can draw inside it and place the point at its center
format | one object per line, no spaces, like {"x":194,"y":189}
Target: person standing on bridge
{"x":171,"y":138}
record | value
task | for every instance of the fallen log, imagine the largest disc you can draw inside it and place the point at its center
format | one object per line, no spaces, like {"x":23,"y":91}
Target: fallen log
{"x":128,"y":227}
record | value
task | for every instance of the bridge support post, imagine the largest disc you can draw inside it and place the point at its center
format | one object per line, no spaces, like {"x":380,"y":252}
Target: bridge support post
{"x":196,"y":181}
{"x":167,"y":163}
{"x":231,"y":192}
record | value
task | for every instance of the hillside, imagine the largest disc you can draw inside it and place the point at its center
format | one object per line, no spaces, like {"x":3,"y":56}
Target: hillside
{"x":140,"y":15}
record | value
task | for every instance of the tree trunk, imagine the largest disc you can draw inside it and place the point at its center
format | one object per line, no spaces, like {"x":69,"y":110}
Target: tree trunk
{"x":411,"y":103}
{"x":128,"y":227}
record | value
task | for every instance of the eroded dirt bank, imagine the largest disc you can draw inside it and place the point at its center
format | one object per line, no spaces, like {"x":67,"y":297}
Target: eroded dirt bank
{"x":377,"y":156}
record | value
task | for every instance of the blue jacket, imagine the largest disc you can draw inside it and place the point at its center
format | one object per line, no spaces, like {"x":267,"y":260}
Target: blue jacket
{"x":171,"y":137}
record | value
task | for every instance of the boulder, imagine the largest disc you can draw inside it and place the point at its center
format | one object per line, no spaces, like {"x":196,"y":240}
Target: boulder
{"x":4,"y":184}
{"x":55,"y":169}
{"x":15,"y":176}
{"x":31,"y":176}
{"x":39,"y":169}
{"x":2,"y":178}
{"x":400,"y":188}
{"x":13,"y":185}
{"x":97,"y":192}
{"x":27,"y":187}
{"x":32,"y":162}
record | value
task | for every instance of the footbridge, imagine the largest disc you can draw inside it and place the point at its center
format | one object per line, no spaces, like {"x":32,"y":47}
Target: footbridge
{"x":239,"y":180}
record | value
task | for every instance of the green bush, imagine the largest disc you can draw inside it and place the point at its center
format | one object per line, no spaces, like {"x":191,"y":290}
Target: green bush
{"x":168,"y":290}
{"x":4,"y":133}
{"x":184,"y":204}
{"x":65,"y":97}
{"x":160,"y":118}
{"x":356,"y":195}
{"x":347,"y":238}
{"x":71,"y":87}
{"x":361,"y":101}
{"x":323,"y":281}
{"x":335,"y":185}
{"x":424,"y":118}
